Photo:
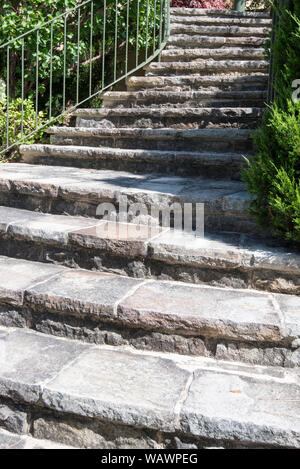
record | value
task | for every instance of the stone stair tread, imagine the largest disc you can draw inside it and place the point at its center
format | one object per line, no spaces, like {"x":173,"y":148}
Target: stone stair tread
{"x":191,"y":396}
{"x":218,"y":13}
{"x":220,"y":20}
{"x":194,"y":53}
{"x":100,"y":185}
{"x":198,"y":40}
{"x":9,"y":440}
{"x":169,"y":112}
{"x":163,"y":133}
{"x":214,"y":251}
{"x":222,"y":30}
{"x":204,"y":65}
{"x":31,"y":150}
{"x":203,"y":81}
{"x":187,"y":94}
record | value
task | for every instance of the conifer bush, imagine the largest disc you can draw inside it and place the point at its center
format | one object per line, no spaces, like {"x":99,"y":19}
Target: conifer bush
{"x":273,"y":175}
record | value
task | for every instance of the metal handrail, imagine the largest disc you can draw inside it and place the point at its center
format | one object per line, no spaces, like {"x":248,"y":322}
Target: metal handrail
{"x":157,"y":31}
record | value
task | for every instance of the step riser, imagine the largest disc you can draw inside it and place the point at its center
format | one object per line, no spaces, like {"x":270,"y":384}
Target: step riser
{"x":90,"y":433}
{"x":129,"y":261}
{"x":212,"y":13}
{"x":216,"y":167}
{"x":215,"y":43}
{"x":216,"y":218}
{"x":183,"y":103}
{"x":243,"y":145}
{"x":187,"y":83}
{"x":149,"y":122}
{"x":177,"y":69}
{"x":93,"y":330}
{"x":177,"y":55}
{"x":219,"y":21}
{"x":223,"y":31}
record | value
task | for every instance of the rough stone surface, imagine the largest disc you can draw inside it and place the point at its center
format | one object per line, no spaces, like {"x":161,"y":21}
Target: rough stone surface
{"x":13,"y":420}
{"x":199,"y":398}
{"x":12,"y":441}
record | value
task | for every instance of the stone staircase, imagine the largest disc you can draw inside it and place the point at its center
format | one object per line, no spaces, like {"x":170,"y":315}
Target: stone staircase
{"x":142,"y":337}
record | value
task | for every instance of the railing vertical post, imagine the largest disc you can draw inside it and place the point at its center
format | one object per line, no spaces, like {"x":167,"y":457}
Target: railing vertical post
{"x":154,"y":27}
{"x":65,"y":63}
{"x":103,"y":43}
{"x":22,"y":89}
{"x":51,"y":71}
{"x":127,"y":37}
{"x":7,"y":94}
{"x":91,"y":46}
{"x":37,"y":79}
{"x":137,"y":33}
{"x":147,"y":30}
{"x":78,"y":55}
{"x":116,"y":40}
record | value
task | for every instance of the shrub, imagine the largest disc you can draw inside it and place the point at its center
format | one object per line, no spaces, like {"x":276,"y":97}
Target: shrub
{"x":209,"y":4}
{"x":15,"y":118}
{"x":273,"y":175}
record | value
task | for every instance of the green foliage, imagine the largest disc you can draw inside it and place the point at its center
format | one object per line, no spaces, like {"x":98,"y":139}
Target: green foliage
{"x":273,"y":175}
{"x":15,"y":122}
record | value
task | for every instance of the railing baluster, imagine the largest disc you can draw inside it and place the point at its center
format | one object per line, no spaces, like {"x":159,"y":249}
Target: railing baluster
{"x":137,"y":33}
{"x":37,"y":79}
{"x":160,"y":25}
{"x":103,"y":44}
{"x":65,"y":63}
{"x":78,"y":55}
{"x":116,"y":40}
{"x":91,"y":47}
{"x":22,"y":89}
{"x":147,"y":30}
{"x":51,"y":71}
{"x":7,"y":95}
{"x":154,"y":28}
{"x":127,"y":32}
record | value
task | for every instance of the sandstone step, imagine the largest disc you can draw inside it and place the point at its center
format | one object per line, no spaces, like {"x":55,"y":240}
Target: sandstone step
{"x":191,"y":99}
{"x":196,"y":82}
{"x":206,"y":164}
{"x":178,"y":118}
{"x":14,"y":441}
{"x":224,"y":259}
{"x":216,"y":30}
{"x":74,"y":191}
{"x":204,"y":66}
{"x":96,"y":396}
{"x":197,"y":41}
{"x":228,"y":14}
{"x":189,"y":55}
{"x":220,"y":20}
{"x":212,"y":140}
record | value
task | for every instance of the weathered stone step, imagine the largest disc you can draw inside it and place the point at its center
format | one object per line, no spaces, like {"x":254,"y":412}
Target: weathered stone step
{"x":206,"y":164}
{"x":213,"y":140}
{"x":203,"y":98}
{"x":13,"y":441}
{"x":189,"y":55}
{"x":178,"y":118}
{"x":76,"y":191}
{"x":48,"y":297}
{"x":96,"y":396}
{"x":202,"y":83}
{"x":216,"y":30}
{"x":225,"y":259}
{"x":197,"y":41}
{"x":204,"y":66}
{"x":220,"y":20}
{"x":228,"y":14}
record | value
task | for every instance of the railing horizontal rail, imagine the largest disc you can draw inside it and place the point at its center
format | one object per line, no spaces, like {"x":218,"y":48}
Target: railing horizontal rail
{"x":65,"y":62}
